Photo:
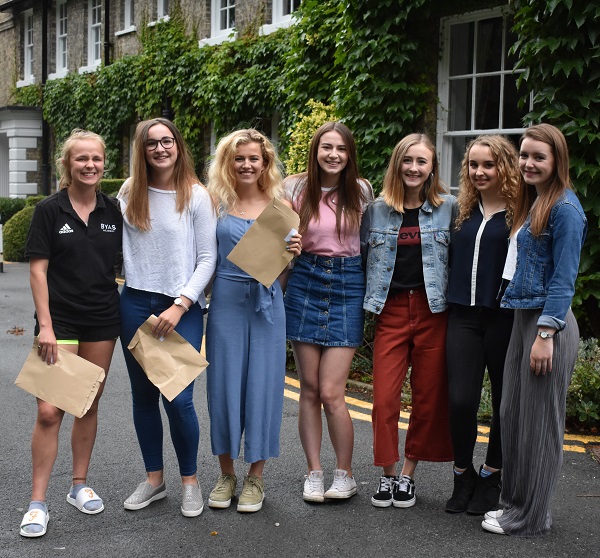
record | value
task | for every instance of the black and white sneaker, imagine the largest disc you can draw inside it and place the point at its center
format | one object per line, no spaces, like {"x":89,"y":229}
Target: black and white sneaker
{"x":383,"y":497}
{"x":403,"y":495}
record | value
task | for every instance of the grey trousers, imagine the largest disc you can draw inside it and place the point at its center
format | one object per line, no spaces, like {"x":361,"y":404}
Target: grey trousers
{"x":532,"y":418}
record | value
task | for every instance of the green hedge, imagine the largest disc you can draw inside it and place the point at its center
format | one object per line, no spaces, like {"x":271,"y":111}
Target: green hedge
{"x":111,"y":186}
{"x":15,"y":234}
{"x":10,"y":206}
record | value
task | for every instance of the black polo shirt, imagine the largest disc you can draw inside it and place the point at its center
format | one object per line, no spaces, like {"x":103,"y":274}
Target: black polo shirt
{"x":81,"y":272}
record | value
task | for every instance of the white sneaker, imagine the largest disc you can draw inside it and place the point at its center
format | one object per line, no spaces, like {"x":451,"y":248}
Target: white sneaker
{"x":493,"y":514}
{"x":314,"y":487}
{"x":343,"y":486}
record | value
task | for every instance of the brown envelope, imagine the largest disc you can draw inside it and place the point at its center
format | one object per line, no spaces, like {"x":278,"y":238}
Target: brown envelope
{"x":261,"y":252}
{"x":71,"y":384}
{"x":171,"y":364}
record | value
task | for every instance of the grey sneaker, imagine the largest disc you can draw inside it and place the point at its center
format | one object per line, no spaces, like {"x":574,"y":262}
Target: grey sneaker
{"x":343,"y":486}
{"x":144,"y":495}
{"x":223,"y":492}
{"x":192,"y":503}
{"x":253,"y":494}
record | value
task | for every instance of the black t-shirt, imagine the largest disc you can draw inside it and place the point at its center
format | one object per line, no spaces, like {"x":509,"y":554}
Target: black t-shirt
{"x":81,"y":259}
{"x":408,"y":270}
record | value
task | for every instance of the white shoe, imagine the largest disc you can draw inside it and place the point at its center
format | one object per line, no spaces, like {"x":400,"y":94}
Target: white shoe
{"x":314,"y":488}
{"x":492,"y":526}
{"x":343,"y":486}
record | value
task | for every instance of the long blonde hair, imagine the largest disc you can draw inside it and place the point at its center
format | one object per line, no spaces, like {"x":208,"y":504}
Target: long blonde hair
{"x":184,"y":176}
{"x":393,"y":186}
{"x":62,"y":163}
{"x":506,"y":159}
{"x":221,"y":174}
{"x":559,"y":182}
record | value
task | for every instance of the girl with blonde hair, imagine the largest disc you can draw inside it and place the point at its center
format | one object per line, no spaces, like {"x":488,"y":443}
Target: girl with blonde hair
{"x":405,"y":236}
{"x":245,"y":336}
{"x":73,"y":241}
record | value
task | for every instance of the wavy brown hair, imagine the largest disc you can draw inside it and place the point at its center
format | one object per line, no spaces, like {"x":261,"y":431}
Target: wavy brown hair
{"x":506,"y":159}
{"x":62,"y":163}
{"x":393,"y":185}
{"x":349,"y":193}
{"x":184,"y":176}
{"x":559,"y":181}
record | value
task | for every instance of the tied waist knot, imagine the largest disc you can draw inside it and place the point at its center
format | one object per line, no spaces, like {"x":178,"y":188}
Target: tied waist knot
{"x":264,"y":300}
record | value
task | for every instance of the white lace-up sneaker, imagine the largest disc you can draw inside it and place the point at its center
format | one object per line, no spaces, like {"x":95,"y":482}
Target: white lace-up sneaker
{"x":343,"y":486}
{"x":314,"y":488}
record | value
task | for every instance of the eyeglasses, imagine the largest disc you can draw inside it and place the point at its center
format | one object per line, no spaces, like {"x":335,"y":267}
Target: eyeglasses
{"x":167,"y":142}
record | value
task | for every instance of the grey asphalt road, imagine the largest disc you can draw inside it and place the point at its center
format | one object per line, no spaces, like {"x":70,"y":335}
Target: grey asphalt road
{"x":286,"y":526}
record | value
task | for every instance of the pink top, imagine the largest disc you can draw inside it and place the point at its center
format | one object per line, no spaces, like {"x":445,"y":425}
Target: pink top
{"x":321,"y":236}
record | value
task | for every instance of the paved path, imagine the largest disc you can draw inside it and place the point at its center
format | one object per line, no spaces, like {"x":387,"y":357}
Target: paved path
{"x":286,"y":526}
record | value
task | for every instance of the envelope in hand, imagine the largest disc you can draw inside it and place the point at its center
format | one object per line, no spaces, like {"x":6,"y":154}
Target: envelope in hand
{"x":170,"y":363}
{"x":71,"y":383}
{"x":261,"y":252}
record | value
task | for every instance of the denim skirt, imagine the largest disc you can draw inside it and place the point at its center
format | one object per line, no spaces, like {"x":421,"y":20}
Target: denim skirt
{"x":324,"y":299}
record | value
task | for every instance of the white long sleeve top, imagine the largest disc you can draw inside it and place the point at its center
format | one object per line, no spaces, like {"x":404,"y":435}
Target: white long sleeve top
{"x":177,"y":256}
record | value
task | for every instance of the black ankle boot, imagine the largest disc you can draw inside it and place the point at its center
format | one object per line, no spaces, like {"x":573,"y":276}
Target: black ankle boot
{"x":464,"y":486}
{"x":486,"y":495}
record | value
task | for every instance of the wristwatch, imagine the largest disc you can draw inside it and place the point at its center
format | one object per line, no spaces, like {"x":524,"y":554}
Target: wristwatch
{"x":179,"y":302}
{"x":545,"y":335}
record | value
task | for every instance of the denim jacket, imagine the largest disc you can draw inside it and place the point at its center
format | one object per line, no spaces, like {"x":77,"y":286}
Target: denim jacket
{"x":547,"y":265}
{"x":378,"y":244}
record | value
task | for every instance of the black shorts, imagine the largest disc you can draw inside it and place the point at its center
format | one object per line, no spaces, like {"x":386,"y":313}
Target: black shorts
{"x":82,"y":333}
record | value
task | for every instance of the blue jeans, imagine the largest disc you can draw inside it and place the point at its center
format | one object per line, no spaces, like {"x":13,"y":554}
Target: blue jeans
{"x":136,"y":307}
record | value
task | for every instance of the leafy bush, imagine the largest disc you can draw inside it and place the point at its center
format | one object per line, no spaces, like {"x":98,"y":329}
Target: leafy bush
{"x":10,"y":206}
{"x":111,"y":186}
{"x":32,"y":201}
{"x":303,"y":131}
{"x":15,"y":234}
{"x":583,"y":396}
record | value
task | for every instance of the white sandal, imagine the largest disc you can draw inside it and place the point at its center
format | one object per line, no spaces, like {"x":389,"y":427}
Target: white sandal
{"x":35,"y":517}
{"x":85,"y":495}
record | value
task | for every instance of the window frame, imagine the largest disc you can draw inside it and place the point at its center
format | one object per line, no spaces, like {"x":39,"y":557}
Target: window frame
{"x":93,"y":29}
{"x":62,"y":42}
{"x":162,"y":9}
{"x":215,"y":19}
{"x":444,"y":135}
{"x":28,"y":48}
{"x":278,"y":19}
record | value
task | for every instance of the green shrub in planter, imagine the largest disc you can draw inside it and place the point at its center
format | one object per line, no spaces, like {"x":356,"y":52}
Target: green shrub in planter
{"x":15,"y":234}
{"x":10,"y":206}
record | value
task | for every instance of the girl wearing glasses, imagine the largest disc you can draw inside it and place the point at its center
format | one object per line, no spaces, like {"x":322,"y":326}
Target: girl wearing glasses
{"x":169,"y":253}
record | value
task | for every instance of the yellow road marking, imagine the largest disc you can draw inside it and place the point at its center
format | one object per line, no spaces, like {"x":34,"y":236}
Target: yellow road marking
{"x":290,"y":394}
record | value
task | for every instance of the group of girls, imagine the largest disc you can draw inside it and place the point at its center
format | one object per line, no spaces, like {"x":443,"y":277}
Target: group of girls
{"x":439,"y":274}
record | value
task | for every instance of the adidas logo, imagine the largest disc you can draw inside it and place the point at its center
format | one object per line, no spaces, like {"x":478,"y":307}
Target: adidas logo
{"x":65,"y":229}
